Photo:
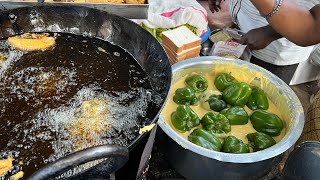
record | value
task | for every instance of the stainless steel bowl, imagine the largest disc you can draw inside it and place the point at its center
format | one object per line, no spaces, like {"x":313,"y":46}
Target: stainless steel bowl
{"x":195,"y":162}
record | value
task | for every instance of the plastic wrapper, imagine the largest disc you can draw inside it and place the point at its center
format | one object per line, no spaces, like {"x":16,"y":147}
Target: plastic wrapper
{"x":225,"y":45}
{"x":231,"y":50}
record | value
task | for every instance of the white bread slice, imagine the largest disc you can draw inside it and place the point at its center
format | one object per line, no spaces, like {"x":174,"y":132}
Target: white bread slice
{"x":186,"y":54}
{"x":180,"y":39}
{"x":183,"y":53}
{"x":174,"y":60}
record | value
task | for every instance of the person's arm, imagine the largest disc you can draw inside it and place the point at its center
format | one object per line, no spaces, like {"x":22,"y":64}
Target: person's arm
{"x":297,"y":24}
{"x":259,"y":38}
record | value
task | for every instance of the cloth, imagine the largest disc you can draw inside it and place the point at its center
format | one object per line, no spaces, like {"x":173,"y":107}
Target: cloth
{"x":309,"y":70}
{"x":173,"y":13}
{"x":280,"y":52}
{"x":283,"y":72}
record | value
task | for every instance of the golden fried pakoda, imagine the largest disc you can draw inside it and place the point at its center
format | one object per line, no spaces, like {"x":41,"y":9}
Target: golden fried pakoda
{"x":17,"y":176}
{"x":135,"y":1}
{"x":5,"y":166}
{"x":91,"y":122}
{"x":32,"y":41}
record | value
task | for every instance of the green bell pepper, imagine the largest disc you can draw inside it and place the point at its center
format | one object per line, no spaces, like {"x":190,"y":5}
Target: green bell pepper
{"x":184,"y":118}
{"x":258,"y":99}
{"x":197,"y":82}
{"x":266,"y":122}
{"x":204,"y":97}
{"x":205,"y":139}
{"x":185,"y":96}
{"x":215,"y":123}
{"x":234,"y":145}
{"x":223,"y":81}
{"x":215,"y":103}
{"x":237,"y":94}
{"x":260,"y":141}
{"x":236,"y":115}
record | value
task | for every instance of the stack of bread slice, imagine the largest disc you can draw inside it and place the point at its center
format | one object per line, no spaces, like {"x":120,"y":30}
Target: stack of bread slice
{"x":180,"y":44}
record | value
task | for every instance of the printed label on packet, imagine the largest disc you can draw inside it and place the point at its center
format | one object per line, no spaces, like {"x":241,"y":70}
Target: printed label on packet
{"x":228,"y":49}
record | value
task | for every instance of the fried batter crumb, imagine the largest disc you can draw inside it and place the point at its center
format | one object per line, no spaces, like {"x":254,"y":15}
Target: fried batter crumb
{"x":17,"y":176}
{"x":5,"y":166}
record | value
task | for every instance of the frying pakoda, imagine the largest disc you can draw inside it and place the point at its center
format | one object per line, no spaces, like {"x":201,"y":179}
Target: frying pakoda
{"x":32,"y":41}
{"x":17,"y":176}
{"x":91,"y":122}
{"x":5,"y":166}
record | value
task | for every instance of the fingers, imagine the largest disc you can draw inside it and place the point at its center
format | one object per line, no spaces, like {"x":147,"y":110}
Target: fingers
{"x":243,"y":40}
{"x":214,"y":5}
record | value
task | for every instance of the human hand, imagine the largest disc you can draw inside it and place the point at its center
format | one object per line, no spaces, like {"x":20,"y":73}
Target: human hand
{"x":214,"y":5}
{"x":259,"y":38}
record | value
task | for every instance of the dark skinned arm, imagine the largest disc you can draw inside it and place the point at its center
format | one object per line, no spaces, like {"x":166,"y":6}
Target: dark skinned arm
{"x":297,"y":24}
{"x":259,"y":38}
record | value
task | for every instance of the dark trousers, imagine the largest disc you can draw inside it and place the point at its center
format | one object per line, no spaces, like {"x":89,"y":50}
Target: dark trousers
{"x":283,"y":72}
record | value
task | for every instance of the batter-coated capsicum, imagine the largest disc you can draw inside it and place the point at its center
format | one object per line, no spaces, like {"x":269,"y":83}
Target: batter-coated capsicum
{"x":184,"y":118}
{"x":260,"y":141}
{"x":266,"y":122}
{"x":237,"y":94}
{"x":236,"y":115}
{"x":224,"y":80}
{"x":234,"y":145}
{"x":205,"y":139}
{"x":185,"y":96}
{"x":204,"y":97}
{"x":215,"y":103}
{"x":258,"y":99}
{"x":216,"y":123}
{"x":197,"y":82}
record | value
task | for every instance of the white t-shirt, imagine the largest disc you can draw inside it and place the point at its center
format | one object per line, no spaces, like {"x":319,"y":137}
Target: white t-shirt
{"x":279,"y":52}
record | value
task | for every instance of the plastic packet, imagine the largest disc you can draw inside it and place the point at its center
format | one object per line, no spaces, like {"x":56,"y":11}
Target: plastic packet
{"x":232,"y":50}
{"x":225,"y":35}
{"x":220,"y":35}
{"x":234,"y":33}
{"x":225,"y":45}
{"x":315,"y":56}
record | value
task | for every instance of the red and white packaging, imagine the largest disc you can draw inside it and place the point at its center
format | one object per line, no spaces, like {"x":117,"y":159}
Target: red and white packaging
{"x":231,"y":50}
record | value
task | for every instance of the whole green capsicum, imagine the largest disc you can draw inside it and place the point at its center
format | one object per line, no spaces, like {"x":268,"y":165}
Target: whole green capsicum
{"x":205,"y":139}
{"x":236,"y":115}
{"x":258,"y":99}
{"x":266,"y":122}
{"x":215,"y":103}
{"x":204,"y":97}
{"x":237,"y":94}
{"x":185,"y":96}
{"x":197,"y":82}
{"x":234,"y":145}
{"x":260,"y":141}
{"x":184,"y":118}
{"x":216,"y":123}
{"x":224,"y":80}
